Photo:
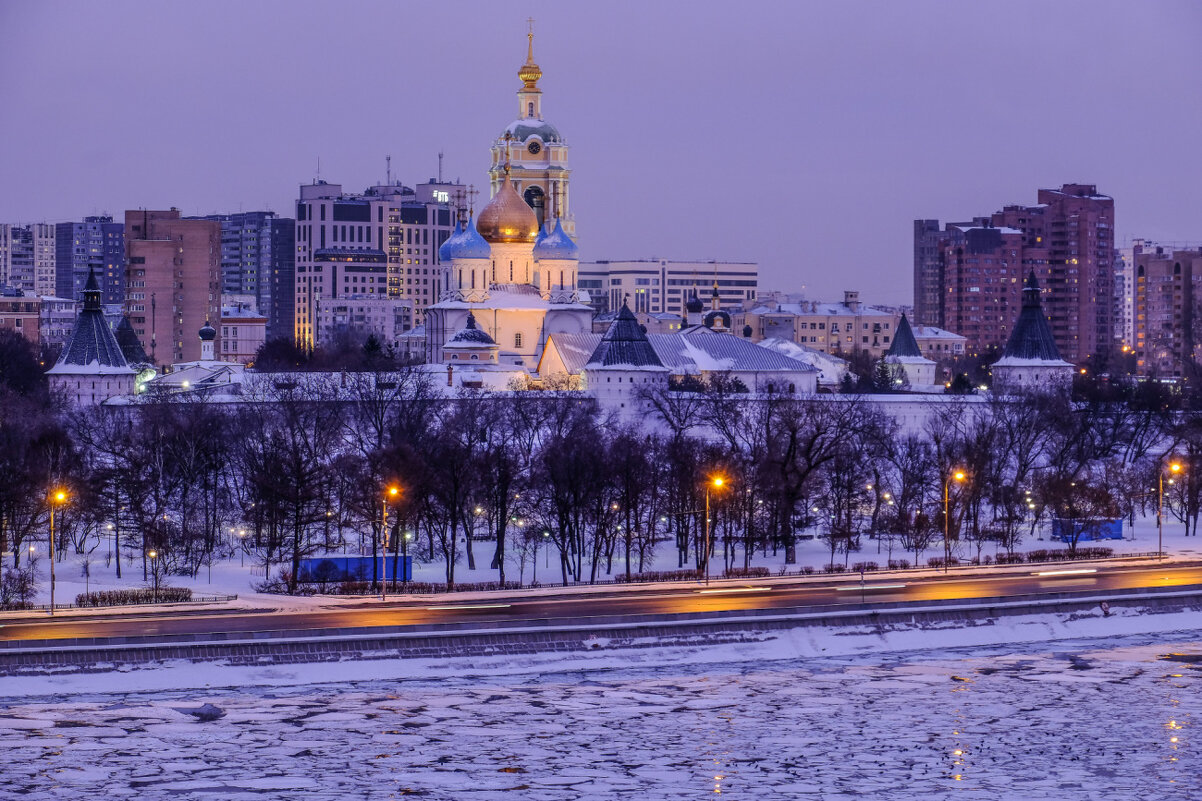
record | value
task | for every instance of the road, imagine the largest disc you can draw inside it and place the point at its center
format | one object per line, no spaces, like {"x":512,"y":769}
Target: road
{"x":652,"y":601}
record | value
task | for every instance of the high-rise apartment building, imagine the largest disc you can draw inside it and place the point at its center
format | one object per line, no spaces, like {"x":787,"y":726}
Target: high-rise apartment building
{"x":172,"y":282}
{"x":1168,"y":289}
{"x":382,"y":243}
{"x":257,"y":249}
{"x":659,"y":285}
{"x":96,"y":244}
{"x":968,"y":277}
{"x":27,"y":257}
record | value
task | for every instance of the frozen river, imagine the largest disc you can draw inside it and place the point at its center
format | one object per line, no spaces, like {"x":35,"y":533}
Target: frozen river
{"x":1078,"y":720}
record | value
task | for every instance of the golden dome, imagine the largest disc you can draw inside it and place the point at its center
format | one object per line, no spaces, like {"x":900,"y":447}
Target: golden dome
{"x":507,"y":218}
{"x":529,"y":73}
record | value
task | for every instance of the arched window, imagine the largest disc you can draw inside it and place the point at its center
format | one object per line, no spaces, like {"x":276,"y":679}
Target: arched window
{"x":475,"y":357}
{"x":529,"y":109}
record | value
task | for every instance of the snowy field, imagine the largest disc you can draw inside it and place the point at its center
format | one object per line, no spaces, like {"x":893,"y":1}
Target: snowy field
{"x":1090,"y":718}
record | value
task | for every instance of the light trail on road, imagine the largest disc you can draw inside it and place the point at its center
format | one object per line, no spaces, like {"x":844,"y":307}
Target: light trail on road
{"x":652,"y":602}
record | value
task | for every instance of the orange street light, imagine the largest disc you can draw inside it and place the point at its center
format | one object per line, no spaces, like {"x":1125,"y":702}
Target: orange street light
{"x":959,"y":476}
{"x":393,"y":492}
{"x":56,"y":497}
{"x":716,"y":482}
{"x":1174,"y":469}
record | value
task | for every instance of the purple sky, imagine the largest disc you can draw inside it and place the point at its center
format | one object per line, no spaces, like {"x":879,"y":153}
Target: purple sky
{"x":805,"y":136}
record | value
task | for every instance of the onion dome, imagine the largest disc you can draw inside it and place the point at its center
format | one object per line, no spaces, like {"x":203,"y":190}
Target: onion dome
{"x":508,"y":219}
{"x":207,"y":332}
{"x":694,"y":305}
{"x":556,"y":245}
{"x":471,"y":335}
{"x":444,"y":250}
{"x":469,"y":244}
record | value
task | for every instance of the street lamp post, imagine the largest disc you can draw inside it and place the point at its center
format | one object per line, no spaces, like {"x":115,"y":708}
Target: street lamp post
{"x":392,"y":493}
{"x":1174,"y":468}
{"x":58,"y":497}
{"x":947,"y":543}
{"x":715,"y":483}
{"x":405,"y":557}
{"x":154,"y":574}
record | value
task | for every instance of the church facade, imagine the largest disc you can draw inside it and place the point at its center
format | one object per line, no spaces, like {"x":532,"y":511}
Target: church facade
{"x":513,"y":269}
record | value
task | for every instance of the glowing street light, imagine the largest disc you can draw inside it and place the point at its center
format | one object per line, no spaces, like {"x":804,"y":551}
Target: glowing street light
{"x":1174,"y":469}
{"x":393,"y":492}
{"x":154,"y":573}
{"x":56,"y":497}
{"x":958,"y":476}
{"x":715,"y":483}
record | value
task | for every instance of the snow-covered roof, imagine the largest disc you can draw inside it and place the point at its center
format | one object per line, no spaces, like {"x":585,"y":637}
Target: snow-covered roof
{"x":1001,"y":229}
{"x":829,"y":310}
{"x":695,"y":349}
{"x":1014,"y":361}
{"x":931,"y":332}
{"x":831,"y":369}
{"x":471,"y":337}
{"x":523,"y":129}
{"x":510,"y":296}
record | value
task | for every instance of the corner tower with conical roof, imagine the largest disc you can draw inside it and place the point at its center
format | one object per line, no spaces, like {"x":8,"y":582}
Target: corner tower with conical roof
{"x":536,"y":152}
{"x":1031,"y":359}
{"x":91,"y":368}
{"x":905,"y":356}
{"x":623,"y":364}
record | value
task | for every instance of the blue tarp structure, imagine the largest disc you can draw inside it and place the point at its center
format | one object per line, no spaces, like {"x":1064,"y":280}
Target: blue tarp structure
{"x":1098,"y":529}
{"x":355,"y":568}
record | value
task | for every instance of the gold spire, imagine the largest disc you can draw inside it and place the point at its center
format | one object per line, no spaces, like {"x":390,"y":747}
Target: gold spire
{"x":530,"y":72}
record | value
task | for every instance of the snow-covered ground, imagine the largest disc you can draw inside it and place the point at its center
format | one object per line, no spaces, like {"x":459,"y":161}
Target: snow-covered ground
{"x":1099,"y":717}
{"x":238,"y":576}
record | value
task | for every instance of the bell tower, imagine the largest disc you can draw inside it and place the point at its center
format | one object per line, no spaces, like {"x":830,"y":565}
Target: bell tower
{"x":535,"y":151}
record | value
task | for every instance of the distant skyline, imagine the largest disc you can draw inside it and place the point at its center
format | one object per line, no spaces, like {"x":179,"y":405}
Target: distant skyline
{"x":804,"y":136}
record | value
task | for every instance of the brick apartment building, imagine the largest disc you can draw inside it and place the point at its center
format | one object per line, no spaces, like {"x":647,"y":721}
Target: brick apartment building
{"x":968,"y":276}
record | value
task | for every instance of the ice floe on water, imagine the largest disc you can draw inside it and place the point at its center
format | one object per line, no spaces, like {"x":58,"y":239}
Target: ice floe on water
{"x":1078,"y":719}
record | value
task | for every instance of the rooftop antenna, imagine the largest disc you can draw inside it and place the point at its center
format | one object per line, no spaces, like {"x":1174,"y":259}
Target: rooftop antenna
{"x":388,"y":170}
{"x":318,"y":178}
{"x":440,"y":166}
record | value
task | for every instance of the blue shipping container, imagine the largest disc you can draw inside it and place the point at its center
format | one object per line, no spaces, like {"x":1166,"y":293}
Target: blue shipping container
{"x":355,"y":568}
{"x":1088,"y":530}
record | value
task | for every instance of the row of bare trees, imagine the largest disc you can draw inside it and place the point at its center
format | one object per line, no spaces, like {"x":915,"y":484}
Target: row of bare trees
{"x":301,"y":466}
